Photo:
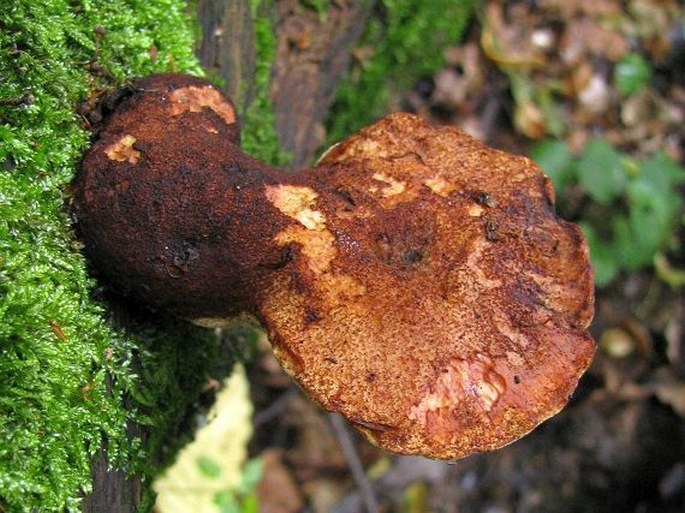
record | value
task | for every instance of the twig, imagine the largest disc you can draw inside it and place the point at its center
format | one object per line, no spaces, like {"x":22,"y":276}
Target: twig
{"x":274,"y":409}
{"x":488,"y":117}
{"x":26,"y":99}
{"x":347,"y":445}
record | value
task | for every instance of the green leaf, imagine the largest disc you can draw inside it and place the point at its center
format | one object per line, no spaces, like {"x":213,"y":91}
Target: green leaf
{"x":252,"y":473}
{"x":654,"y":203}
{"x":227,"y":502}
{"x":250,"y":504}
{"x":601,"y":172}
{"x":647,"y":232}
{"x":604,"y":259}
{"x":646,"y":200}
{"x":662,"y":171}
{"x":631,"y":74}
{"x":209,"y":467}
{"x":626,"y":250}
{"x":556,"y":160}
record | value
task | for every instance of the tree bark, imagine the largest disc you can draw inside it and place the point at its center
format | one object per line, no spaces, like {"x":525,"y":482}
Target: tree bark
{"x":113,"y":490}
{"x":313,"y":52}
{"x":312,"y":58}
{"x":227,"y":48}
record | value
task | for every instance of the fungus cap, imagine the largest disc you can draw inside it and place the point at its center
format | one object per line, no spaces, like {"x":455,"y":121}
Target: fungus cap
{"x":414,"y":280}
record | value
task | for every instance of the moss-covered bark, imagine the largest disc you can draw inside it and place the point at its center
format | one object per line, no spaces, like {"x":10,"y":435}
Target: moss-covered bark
{"x":72,"y":387}
{"x":403,"y":42}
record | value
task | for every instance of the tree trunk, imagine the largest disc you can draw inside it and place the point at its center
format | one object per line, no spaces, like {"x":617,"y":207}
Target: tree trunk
{"x":113,"y":490}
{"x":312,"y":55}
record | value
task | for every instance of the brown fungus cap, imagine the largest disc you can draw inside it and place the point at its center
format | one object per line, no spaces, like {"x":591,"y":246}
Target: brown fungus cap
{"x":414,"y":280}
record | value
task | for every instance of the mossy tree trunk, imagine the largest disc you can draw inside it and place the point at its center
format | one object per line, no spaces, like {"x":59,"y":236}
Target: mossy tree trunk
{"x":313,"y":52}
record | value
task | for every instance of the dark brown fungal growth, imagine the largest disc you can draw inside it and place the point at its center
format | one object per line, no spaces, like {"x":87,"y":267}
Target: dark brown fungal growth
{"x":414,"y":280}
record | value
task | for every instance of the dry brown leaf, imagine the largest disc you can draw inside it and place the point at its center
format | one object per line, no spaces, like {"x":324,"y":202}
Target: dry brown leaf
{"x":277,"y":491}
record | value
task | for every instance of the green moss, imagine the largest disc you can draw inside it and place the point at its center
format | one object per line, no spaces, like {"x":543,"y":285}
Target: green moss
{"x":259,"y":134}
{"x":407,"y":39}
{"x":320,"y":7}
{"x":175,"y":363}
{"x":65,"y":372}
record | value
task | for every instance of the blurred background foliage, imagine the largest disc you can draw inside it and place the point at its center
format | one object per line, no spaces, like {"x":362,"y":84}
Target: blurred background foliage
{"x":403,"y":42}
{"x":631,"y":211}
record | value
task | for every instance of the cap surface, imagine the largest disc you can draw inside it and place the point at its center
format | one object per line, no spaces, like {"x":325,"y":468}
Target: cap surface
{"x":433,"y":296}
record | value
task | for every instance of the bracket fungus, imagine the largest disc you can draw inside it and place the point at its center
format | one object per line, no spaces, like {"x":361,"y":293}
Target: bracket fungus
{"x":414,"y":280}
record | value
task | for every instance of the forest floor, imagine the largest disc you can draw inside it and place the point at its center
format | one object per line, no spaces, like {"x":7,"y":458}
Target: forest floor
{"x":526,"y":74}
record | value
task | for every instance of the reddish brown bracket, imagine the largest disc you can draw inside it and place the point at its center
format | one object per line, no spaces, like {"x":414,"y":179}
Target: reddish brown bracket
{"x":414,"y":280}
